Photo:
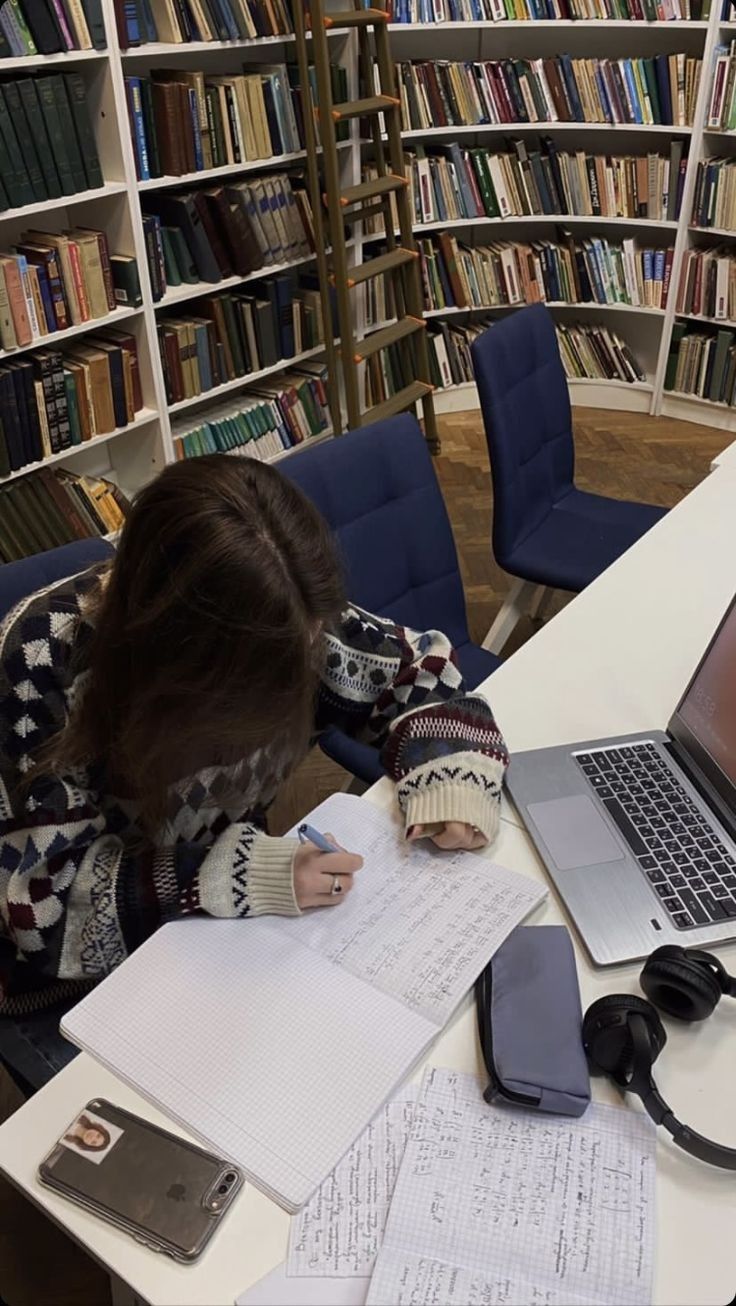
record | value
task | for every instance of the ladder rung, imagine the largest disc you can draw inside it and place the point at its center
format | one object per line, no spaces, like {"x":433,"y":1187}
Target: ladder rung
{"x":389,"y":335}
{"x":375,"y":267}
{"x":371,"y":190}
{"x":357,"y":18}
{"x":365,"y":211}
{"x":402,"y":400}
{"x":357,"y":108}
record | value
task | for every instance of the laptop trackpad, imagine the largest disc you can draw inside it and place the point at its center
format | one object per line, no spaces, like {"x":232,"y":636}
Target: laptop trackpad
{"x":575,"y":832}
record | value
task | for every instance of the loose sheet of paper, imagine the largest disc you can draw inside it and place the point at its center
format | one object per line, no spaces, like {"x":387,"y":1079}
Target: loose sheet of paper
{"x":419,"y":924}
{"x":339,"y":1231}
{"x":499,"y":1206}
{"x":275,"y":1289}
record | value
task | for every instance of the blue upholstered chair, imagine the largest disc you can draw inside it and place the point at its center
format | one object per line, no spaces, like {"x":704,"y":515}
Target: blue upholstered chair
{"x":545,"y":531}
{"x":378,"y":490}
{"x":18,"y":579}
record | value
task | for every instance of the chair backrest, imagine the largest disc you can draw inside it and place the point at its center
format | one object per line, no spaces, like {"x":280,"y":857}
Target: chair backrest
{"x":18,"y":579}
{"x":377,"y":488}
{"x":528,"y":423}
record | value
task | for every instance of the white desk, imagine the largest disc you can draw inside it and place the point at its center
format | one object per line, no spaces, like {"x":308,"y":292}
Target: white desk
{"x":615,"y":659}
{"x":726,"y":458}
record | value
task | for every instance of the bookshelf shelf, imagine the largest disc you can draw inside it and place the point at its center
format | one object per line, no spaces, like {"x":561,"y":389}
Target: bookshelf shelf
{"x":580,"y":24}
{"x":142,"y":418}
{"x":691,"y":408}
{"x":229,"y":170}
{"x":544,"y":128}
{"x":241,"y":382}
{"x":639,"y":310}
{"x":55,"y":337}
{"x":155,"y":50}
{"x":632,"y":396}
{"x":56,"y":62}
{"x":723,"y":322}
{"x":555,"y":219}
{"x":726,"y":233}
{"x":65,"y":201}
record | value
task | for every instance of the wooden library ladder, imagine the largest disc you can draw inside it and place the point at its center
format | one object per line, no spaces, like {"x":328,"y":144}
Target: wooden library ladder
{"x":344,"y":207}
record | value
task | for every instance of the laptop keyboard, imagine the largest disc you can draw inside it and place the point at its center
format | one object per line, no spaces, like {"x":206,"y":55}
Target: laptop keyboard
{"x":689,"y":868}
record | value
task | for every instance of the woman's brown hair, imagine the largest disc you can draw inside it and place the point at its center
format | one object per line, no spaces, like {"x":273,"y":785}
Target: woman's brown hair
{"x":86,"y":1123}
{"x":206,"y":638}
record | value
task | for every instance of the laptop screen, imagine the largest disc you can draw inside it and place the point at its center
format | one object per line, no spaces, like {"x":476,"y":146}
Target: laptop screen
{"x":708,"y":707}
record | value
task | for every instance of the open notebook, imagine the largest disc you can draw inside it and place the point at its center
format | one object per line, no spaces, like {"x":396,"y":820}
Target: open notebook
{"x":275,"y":1040}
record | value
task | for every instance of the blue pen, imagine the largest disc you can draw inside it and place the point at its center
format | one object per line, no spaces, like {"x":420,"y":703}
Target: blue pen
{"x":308,"y":832}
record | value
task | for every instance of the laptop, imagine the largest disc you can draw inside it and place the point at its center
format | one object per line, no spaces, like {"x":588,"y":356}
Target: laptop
{"x":638,"y":833}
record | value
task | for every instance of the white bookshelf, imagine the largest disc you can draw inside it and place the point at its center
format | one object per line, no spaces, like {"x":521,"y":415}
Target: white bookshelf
{"x":646,"y":330}
{"x":132,"y":455}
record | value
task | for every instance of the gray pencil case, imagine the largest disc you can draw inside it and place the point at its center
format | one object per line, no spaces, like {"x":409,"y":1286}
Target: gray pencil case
{"x":529,"y":1023}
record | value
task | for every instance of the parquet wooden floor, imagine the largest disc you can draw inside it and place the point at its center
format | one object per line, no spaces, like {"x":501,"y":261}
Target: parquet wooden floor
{"x":622,"y":454}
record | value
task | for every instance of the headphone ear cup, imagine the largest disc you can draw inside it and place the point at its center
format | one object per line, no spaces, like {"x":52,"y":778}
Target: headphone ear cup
{"x":680,"y":985}
{"x":607,"y":1037}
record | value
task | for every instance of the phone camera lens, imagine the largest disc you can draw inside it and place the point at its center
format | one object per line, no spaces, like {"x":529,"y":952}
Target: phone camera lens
{"x":230,"y":1178}
{"x":222,"y":1188}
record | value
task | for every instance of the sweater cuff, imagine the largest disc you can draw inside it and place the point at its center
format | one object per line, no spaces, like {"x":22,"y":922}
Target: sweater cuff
{"x":465,"y":787}
{"x":271,"y":877}
{"x":248,"y":873}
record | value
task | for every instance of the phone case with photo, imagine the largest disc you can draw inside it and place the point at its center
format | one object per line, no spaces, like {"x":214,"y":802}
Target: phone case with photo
{"x":165,"y":1191}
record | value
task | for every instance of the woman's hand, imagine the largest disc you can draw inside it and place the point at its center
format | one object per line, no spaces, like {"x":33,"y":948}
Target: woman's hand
{"x":323,"y":879}
{"x":453,"y":834}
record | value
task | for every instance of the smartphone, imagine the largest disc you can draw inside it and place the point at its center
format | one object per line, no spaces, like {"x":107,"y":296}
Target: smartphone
{"x":167,"y":1193}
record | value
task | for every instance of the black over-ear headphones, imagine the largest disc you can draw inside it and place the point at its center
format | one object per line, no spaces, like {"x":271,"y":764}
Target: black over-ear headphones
{"x":623,"y":1035}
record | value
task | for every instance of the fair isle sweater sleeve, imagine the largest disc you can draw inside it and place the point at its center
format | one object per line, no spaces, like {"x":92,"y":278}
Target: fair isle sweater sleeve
{"x":402,"y":690}
{"x":78,"y":891}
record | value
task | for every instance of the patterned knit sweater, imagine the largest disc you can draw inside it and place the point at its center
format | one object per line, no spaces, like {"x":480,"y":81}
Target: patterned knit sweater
{"x":80,"y":887}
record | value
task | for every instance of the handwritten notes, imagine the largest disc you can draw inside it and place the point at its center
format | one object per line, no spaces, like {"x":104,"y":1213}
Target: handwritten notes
{"x":419,"y":924}
{"x":339,"y":1231}
{"x":494,"y":1207}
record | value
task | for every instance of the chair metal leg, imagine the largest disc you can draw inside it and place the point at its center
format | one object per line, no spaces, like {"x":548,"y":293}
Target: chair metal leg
{"x":521,"y":597}
{"x":540,"y":603}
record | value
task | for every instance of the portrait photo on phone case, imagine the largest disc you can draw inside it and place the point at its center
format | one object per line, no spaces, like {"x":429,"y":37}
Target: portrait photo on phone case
{"x":91,"y":1137}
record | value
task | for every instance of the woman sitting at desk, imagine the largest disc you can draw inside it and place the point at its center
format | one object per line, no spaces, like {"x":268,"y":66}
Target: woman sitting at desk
{"x":150,"y":708}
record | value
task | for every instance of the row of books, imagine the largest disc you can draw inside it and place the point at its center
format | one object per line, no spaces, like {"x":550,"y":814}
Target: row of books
{"x":31,"y":27}
{"x":178,"y":22}
{"x":54,"y":280}
{"x":593,"y":271}
{"x":714,"y":201}
{"x":721,"y":113}
{"x":225,"y":231}
{"x":274,"y":419}
{"x":591,"y":351}
{"x":466,"y":184}
{"x":702,"y":363}
{"x":47,"y":145}
{"x":708,"y":283}
{"x":234,"y":335}
{"x":186,"y":122}
{"x":498,"y":11}
{"x":54,"y":507}
{"x":660,"y":89}
{"x":53,"y":399}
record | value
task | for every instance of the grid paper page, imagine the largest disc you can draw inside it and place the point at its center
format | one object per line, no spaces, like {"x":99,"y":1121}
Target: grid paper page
{"x":419,"y":924}
{"x":339,"y":1231}
{"x":493,"y":1205}
{"x":267,"y":1051}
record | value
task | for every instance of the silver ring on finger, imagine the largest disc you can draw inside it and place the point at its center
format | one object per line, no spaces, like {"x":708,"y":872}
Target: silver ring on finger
{"x":336,"y":885}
